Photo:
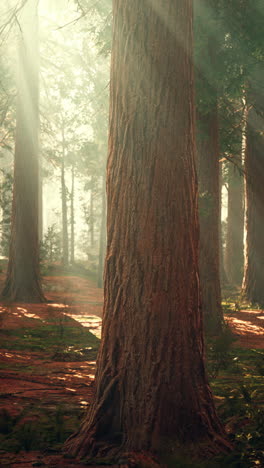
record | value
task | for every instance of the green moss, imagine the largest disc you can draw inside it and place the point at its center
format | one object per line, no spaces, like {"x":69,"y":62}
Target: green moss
{"x":48,"y":337}
{"x":37,"y":428}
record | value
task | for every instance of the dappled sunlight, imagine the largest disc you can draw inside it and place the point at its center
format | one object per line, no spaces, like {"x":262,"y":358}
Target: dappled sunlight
{"x":92,"y":322}
{"x":244,"y":327}
{"x":84,"y":403}
{"x":79,"y":376}
{"x":27,"y":314}
{"x":15,"y":356}
{"x":59,"y":306}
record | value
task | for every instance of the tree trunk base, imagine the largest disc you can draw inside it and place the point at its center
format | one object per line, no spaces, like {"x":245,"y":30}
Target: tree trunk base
{"x":100,"y":452}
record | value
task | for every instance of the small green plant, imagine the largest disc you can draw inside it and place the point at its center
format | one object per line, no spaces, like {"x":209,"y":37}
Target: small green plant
{"x":50,"y":249}
{"x":219,"y":352}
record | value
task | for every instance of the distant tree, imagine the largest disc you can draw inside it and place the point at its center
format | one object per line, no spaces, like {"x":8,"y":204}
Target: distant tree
{"x":232,"y":124}
{"x":254,"y":169}
{"x":208,"y":149}
{"x":6,"y":190}
{"x":151,"y":389}
{"x":51,"y":245}
{"x":23,"y":278}
{"x":234,"y":252}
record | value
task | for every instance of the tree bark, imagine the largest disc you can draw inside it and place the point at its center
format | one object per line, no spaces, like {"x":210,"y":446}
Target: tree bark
{"x":91,"y":217}
{"x":65,"y":236}
{"x":234,"y":252}
{"x":254,"y":174}
{"x":151,"y":389}
{"x":223,"y":275}
{"x":209,"y":207}
{"x":40,"y":200}
{"x":102,"y":246}
{"x":23,"y":277}
{"x":72,"y":217}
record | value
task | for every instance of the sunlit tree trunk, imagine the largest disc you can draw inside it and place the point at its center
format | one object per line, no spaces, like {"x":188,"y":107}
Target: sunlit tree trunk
{"x":72,"y":215}
{"x":102,"y":246}
{"x":151,"y":390}
{"x":209,"y":208}
{"x":91,"y":217}
{"x":64,"y":210}
{"x":223,"y":275}
{"x":23,"y":278}
{"x":254,"y":173}
{"x":40,"y":199}
{"x":234,"y":253}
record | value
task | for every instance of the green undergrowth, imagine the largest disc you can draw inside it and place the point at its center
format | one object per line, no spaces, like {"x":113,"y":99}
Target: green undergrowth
{"x":79,"y":270}
{"x":38,"y":428}
{"x":237,"y":382}
{"x":59,"y":338}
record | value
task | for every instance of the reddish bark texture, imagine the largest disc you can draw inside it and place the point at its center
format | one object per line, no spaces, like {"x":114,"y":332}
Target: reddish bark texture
{"x":23,"y":278}
{"x":254,"y":170}
{"x":209,"y":207}
{"x":151,"y":388}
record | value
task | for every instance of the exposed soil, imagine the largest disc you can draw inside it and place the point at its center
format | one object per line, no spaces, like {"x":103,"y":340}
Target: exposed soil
{"x":248,"y":327}
{"x":34,"y":383}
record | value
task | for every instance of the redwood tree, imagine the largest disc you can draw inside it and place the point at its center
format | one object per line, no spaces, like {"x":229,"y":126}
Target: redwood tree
{"x":23,"y":279}
{"x":207,"y":78}
{"x":151,"y":389}
{"x":254,"y":170}
{"x":209,"y":207}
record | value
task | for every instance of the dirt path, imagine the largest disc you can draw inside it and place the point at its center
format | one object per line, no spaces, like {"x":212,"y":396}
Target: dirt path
{"x":248,"y":327}
{"x":43,"y":383}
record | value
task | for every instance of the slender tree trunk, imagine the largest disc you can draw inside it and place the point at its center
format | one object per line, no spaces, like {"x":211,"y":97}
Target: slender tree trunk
{"x":91,"y":217}
{"x":102,"y":238}
{"x":65,"y":236}
{"x":40,"y":199}
{"x":23,"y":277}
{"x":234,"y":253}
{"x":223,"y":275}
{"x":72,"y":216}
{"x":151,"y":389}
{"x":254,"y":170}
{"x":209,"y":207}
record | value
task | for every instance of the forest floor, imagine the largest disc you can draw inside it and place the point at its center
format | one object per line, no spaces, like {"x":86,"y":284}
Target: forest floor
{"x":47,"y":365}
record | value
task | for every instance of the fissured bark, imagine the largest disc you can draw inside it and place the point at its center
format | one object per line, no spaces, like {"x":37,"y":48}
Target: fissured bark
{"x":254,"y":173}
{"x":151,"y":391}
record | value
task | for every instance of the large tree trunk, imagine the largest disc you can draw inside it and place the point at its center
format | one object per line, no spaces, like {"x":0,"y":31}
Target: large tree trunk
{"x":234,"y":252}
{"x":23,"y":278}
{"x":151,"y":389}
{"x":254,"y":170}
{"x":209,"y":208}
